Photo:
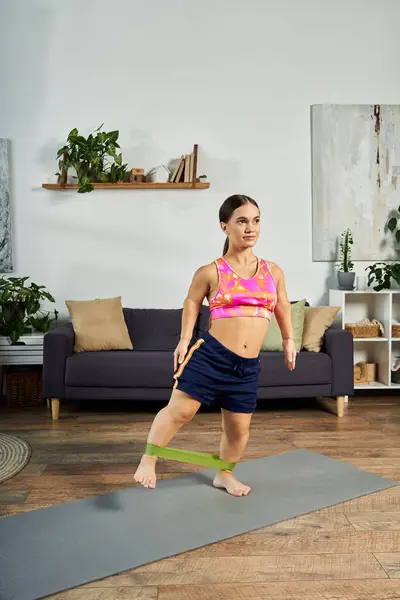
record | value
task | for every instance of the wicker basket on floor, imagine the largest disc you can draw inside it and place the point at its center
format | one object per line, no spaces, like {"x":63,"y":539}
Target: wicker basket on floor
{"x":24,"y":387}
{"x":363,"y":331}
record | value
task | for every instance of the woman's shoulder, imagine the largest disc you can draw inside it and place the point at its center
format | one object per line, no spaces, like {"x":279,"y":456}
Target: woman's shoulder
{"x":206,"y":271}
{"x":269,"y":263}
{"x":264,"y":262}
{"x":210,"y":267}
{"x":273,"y":267}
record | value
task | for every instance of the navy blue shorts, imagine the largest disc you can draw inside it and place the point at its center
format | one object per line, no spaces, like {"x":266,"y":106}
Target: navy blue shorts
{"x":212,"y":374}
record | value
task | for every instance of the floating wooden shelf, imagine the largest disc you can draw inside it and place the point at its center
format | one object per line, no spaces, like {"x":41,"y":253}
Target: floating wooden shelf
{"x":130,"y":186}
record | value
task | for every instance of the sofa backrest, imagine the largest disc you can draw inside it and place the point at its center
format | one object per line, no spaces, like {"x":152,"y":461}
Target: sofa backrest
{"x":160,"y":328}
{"x":203,"y":320}
{"x":154,"y":328}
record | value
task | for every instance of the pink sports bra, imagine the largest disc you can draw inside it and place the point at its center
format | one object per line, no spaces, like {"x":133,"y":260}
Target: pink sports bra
{"x":240,"y":297}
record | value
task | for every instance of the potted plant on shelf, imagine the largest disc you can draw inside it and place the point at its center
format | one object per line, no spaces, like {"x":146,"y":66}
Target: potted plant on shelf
{"x":381,"y":274}
{"x":201,"y":179}
{"x":20,"y":308}
{"x":90,"y":159}
{"x":346,"y":274}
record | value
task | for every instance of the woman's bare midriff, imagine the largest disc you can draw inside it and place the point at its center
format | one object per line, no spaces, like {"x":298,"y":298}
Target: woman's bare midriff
{"x":242,"y":335}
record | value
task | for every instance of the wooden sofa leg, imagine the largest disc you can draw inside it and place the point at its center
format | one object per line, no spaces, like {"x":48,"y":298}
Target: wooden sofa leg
{"x":48,"y":402}
{"x":55,"y":408}
{"x":340,"y":406}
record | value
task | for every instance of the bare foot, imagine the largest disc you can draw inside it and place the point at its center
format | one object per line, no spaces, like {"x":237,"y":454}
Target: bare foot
{"x":146,"y":472}
{"x":225,"y":479}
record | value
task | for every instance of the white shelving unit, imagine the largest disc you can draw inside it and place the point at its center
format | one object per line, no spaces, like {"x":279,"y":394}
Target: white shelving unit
{"x":29,"y":350}
{"x":384,"y":306}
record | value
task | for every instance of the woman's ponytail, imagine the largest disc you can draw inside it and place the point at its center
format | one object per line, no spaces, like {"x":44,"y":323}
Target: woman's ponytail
{"x":226,"y":246}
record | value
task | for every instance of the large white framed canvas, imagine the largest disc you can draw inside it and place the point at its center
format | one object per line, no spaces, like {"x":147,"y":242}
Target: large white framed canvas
{"x":355,"y":178}
{"x":6,"y":256}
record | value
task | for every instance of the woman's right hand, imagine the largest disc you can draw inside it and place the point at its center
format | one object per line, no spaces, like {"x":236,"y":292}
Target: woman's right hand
{"x":180,"y":353}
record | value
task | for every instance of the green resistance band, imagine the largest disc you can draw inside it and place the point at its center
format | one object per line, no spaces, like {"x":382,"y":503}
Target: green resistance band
{"x":196,"y":458}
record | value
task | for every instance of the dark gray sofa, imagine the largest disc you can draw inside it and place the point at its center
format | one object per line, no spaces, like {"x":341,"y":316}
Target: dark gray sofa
{"x":146,"y":373}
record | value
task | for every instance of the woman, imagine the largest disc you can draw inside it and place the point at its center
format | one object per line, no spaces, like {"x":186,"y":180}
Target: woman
{"x":222,"y":367}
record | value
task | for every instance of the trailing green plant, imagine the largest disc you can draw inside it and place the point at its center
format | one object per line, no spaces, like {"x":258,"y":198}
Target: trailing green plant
{"x":90,"y":157}
{"x":381,"y":275}
{"x":346,"y":241}
{"x":392,"y":224}
{"x":20,"y":308}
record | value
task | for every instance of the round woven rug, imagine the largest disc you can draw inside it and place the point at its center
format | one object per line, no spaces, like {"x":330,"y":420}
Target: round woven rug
{"x":14,"y":456}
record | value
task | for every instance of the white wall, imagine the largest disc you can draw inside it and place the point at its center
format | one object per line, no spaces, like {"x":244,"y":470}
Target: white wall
{"x":236,"y":77}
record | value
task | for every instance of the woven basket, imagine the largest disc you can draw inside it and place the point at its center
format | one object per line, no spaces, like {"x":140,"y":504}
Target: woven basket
{"x":365,"y":372}
{"x":363,"y":331}
{"x":24,"y":387}
{"x":357,"y":374}
{"x":396,"y":330}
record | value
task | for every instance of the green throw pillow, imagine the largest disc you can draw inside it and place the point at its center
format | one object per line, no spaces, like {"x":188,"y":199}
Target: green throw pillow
{"x":273,"y":340}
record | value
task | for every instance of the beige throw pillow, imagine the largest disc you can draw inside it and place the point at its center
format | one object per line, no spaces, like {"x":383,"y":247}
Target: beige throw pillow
{"x":317,"y":319}
{"x":99,"y":325}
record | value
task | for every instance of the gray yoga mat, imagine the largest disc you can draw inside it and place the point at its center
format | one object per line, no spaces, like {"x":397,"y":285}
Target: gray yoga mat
{"x":53,"y":549}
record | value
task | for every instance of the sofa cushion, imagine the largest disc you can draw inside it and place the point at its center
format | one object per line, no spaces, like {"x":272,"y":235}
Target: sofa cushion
{"x":135,"y":369}
{"x":317,"y":319}
{"x":99,"y":325}
{"x":312,"y":368}
{"x":273,"y":340}
{"x":154,"y":328}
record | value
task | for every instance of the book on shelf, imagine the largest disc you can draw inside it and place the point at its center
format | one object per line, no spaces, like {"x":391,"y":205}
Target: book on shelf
{"x":186,"y":169}
{"x":194,"y":170}
{"x":176,"y":171}
{"x":179,"y":175}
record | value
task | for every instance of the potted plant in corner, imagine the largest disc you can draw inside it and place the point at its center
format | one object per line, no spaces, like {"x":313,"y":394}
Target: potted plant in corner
{"x":346,"y":275}
{"x":20,"y":308}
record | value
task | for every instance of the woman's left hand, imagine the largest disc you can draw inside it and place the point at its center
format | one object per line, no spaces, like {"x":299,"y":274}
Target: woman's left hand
{"x":289,"y":348}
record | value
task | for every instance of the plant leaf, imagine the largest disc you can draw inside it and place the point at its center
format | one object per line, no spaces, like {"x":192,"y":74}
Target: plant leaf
{"x":88,"y":187}
{"x":62,"y":151}
{"x":72,"y":134}
{"x":48,"y":296}
{"x":113,"y":136}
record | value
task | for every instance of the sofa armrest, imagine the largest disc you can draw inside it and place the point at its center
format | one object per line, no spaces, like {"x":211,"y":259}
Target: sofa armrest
{"x":58,"y":345}
{"x":338,"y":343}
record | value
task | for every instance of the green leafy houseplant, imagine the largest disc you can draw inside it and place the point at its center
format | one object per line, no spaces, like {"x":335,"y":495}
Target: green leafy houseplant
{"x":382,"y":274}
{"x":20,"y":308}
{"x":90,"y":157}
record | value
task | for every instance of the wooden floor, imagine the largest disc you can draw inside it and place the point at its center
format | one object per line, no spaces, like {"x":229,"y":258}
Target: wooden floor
{"x":350,"y":551}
